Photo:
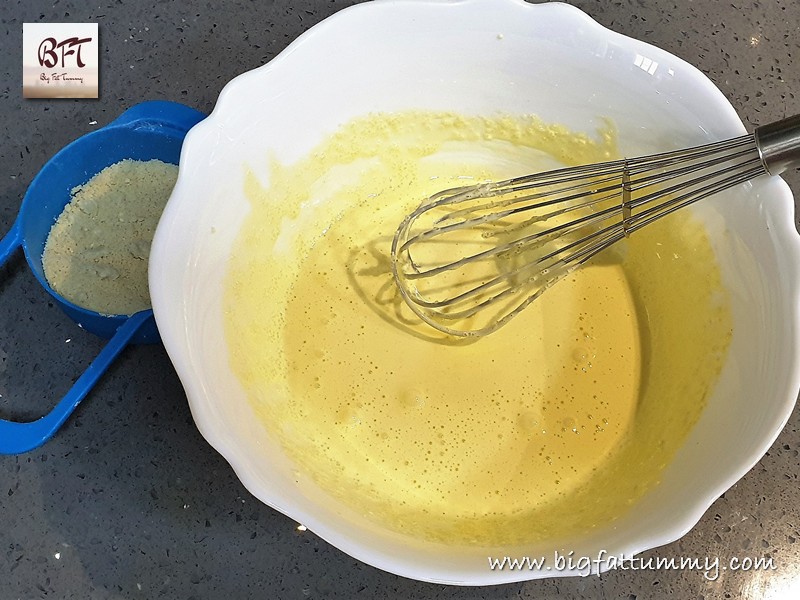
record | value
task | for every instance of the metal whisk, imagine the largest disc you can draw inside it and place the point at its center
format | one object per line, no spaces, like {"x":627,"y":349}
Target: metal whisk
{"x":471,"y":258}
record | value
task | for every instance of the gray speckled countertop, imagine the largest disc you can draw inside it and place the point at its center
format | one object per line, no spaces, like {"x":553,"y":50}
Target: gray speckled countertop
{"x":128,"y":501}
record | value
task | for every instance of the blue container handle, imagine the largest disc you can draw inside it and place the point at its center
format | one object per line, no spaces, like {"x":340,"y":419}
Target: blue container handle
{"x":11,"y":241}
{"x":16,"y":438}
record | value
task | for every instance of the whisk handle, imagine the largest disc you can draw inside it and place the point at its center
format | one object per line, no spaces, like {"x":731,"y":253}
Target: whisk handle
{"x":779,"y":144}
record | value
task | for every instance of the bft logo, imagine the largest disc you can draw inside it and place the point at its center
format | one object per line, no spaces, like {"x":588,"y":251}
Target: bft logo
{"x":48,"y":57}
{"x":60,"y":60}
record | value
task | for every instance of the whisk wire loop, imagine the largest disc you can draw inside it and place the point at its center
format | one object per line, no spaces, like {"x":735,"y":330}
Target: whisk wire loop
{"x":469,"y":259}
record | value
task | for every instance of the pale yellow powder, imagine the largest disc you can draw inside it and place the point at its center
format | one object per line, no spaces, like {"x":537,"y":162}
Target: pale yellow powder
{"x":97,"y":252}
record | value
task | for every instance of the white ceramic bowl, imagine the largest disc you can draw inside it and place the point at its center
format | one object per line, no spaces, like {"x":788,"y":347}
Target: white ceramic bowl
{"x":476,"y":56}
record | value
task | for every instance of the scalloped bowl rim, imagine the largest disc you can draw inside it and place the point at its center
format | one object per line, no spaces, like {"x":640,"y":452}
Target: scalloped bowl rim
{"x":167,"y":304}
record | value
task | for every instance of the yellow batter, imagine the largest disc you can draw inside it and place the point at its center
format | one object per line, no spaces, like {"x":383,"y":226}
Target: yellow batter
{"x":553,"y":424}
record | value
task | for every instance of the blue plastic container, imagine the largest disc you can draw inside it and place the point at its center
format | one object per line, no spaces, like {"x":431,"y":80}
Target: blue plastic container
{"x":151,"y":130}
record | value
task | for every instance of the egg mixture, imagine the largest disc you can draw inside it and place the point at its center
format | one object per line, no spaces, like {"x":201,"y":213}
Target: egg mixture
{"x":554,"y":424}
